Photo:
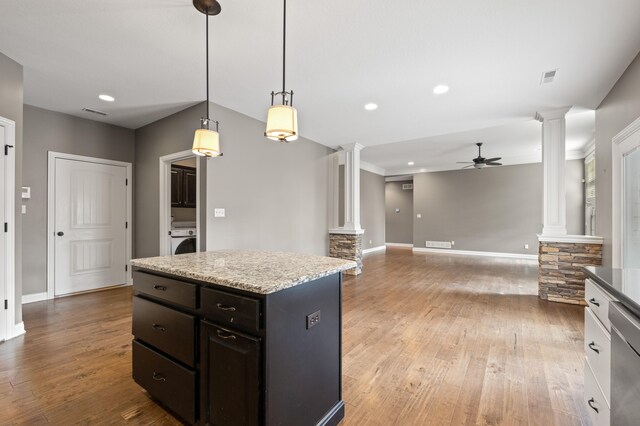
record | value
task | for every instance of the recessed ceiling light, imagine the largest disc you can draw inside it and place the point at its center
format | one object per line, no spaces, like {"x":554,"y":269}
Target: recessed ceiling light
{"x":440,"y":89}
{"x":411,"y":163}
{"x":371,"y":106}
{"x":107,"y":98}
{"x":423,"y":170}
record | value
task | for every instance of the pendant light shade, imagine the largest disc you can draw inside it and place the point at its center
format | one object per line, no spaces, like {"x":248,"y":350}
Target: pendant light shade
{"x":206,"y":141}
{"x":282,"y":120}
{"x":282,"y":123}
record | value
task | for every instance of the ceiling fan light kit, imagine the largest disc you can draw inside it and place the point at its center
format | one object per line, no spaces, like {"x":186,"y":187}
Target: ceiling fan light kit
{"x":206,"y":141}
{"x":282,"y":120}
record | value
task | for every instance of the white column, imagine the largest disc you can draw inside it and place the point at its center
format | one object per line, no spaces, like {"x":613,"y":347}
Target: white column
{"x":553,"y":161}
{"x":352,"y":186}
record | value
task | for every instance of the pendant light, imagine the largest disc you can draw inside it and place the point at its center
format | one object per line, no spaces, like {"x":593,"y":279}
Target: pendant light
{"x":206,"y":141}
{"x":282,"y":120}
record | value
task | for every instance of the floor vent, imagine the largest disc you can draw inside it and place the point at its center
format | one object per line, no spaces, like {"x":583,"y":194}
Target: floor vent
{"x":407,"y":186}
{"x":548,"y":76}
{"x":94,"y":111}
{"x":439,"y":244}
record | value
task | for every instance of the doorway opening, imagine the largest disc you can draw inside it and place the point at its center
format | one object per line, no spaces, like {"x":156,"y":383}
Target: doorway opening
{"x":180,"y":230}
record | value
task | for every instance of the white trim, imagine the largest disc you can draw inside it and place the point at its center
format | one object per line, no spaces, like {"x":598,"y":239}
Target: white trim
{"x":401,"y":178}
{"x":51,"y":185}
{"x":622,"y":144}
{"x":398,"y":245}
{"x":371,"y":168}
{"x":343,"y":231}
{"x":588,"y":149}
{"x":9,"y":127}
{"x":17,"y":330}
{"x":476,"y":253}
{"x":164,"y":206}
{"x":573,"y":239}
{"x":374,"y":249}
{"x":36,"y":297}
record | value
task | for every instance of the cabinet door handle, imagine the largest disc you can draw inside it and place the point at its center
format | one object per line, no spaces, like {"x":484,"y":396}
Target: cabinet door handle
{"x":225,"y":307}
{"x":593,"y":301}
{"x":158,"y":327}
{"x":224,"y":335}
{"x":590,"y":402}
{"x":591,"y":346}
{"x":160,"y":287}
{"x":158,"y":377}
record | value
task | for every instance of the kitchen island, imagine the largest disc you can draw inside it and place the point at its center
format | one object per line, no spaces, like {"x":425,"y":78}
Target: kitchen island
{"x":236,"y":337}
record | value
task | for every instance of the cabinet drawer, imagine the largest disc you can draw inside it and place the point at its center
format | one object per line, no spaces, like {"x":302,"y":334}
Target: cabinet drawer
{"x":174,"y":291}
{"x":594,"y":400}
{"x":230,"y":310}
{"x":597,"y":347}
{"x":168,"y":382}
{"x":598,"y":302}
{"x":165,"y":329}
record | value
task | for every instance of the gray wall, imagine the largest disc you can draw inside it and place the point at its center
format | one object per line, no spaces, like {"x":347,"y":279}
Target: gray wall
{"x":371,"y":207}
{"x":276,"y":195}
{"x":166,"y":136}
{"x":618,"y":109}
{"x":372,"y":216}
{"x":399,"y":226}
{"x":46,"y":131}
{"x":496,"y":209}
{"x":11,"y":100}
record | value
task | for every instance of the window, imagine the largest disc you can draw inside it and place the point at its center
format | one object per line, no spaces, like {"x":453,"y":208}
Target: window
{"x":590,"y":194}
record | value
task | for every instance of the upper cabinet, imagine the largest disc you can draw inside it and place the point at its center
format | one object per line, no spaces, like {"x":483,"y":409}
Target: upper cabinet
{"x":183,"y":186}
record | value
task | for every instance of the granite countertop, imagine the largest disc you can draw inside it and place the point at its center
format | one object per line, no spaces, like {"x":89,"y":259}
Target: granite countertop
{"x":261,"y":272}
{"x":622,"y":284}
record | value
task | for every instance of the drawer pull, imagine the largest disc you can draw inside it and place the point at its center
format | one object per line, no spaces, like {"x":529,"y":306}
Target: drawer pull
{"x":158,"y":377}
{"x":160,"y":287}
{"x":224,"y":335}
{"x":593,"y":301}
{"x":590,"y":402}
{"x":225,"y":307}
{"x":591,"y":346}
{"x":158,"y":327}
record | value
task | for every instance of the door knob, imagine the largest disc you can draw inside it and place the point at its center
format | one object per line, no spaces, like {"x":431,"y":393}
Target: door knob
{"x":60,"y":233}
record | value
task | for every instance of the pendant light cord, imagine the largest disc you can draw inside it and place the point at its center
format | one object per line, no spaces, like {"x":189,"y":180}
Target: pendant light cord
{"x":207,"y":55}
{"x":284,"y":51}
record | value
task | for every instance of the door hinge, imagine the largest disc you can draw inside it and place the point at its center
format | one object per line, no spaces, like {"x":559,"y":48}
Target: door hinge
{"x":6,"y":149}
{"x":126,"y":182}
{"x":6,"y":304}
{"x":126,"y":225}
{"x":126,"y":268}
{"x":6,"y":227}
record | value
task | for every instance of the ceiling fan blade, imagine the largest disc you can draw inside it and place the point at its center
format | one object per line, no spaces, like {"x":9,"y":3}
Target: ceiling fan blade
{"x":466,"y":167}
{"x":491,"y":160}
{"x":464,"y":162}
{"x":493,"y":163}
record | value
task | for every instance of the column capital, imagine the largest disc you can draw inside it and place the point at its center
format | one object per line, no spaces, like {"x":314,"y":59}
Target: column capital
{"x":352,"y":147}
{"x":551,"y":114}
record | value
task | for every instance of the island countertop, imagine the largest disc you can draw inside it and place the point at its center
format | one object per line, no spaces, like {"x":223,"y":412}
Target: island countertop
{"x":261,"y":272}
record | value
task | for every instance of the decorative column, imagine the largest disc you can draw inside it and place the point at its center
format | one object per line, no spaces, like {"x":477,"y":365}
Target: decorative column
{"x":560,"y":256}
{"x":346,"y":242}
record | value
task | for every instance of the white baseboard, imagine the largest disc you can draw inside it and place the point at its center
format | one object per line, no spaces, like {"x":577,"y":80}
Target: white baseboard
{"x":373,"y":249}
{"x":36,"y":297}
{"x":398,"y":245}
{"x":18,"y":330}
{"x":477,"y":253}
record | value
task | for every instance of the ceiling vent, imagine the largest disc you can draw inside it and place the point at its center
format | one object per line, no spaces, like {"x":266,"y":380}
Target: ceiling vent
{"x":548,"y":76}
{"x":406,"y":186}
{"x":94,"y":111}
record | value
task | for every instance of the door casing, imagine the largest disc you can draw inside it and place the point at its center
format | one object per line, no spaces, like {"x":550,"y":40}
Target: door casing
{"x":8,"y":127}
{"x":51,"y":173}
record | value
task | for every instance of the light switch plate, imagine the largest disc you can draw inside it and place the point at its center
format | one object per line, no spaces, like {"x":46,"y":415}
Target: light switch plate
{"x":218,"y":212}
{"x":24,"y":209}
{"x":419,"y":215}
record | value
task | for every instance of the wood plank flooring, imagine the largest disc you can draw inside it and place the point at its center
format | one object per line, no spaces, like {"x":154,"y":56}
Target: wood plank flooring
{"x":428,"y":340}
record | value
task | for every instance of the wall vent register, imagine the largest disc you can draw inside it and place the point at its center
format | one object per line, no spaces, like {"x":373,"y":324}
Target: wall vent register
{"x":406,"y":186}
{"x":438,"y":244}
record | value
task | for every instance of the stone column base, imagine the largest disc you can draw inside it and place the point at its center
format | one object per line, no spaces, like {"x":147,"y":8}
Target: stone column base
{"x":347,"y":245}
{"x":560,"y":277}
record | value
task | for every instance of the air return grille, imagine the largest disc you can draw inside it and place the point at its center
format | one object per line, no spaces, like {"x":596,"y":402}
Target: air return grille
{"x":407,"y":186}
{"x":439,"y":244}
{"x":548,"y":76}
{"x":94,"y":111}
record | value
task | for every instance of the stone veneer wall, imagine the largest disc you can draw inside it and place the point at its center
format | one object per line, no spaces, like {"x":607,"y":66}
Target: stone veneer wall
{"x":349,"y":247}
{"x":560,"y":278}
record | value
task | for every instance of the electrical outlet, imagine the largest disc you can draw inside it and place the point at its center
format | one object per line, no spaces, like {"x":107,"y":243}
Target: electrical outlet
{"x":313,"y":319}
{"x":526,"y":246}
{"x":453,"y":243}
{"x":218,"y":212}
{"x":419,"y":215}
{"x":370,"y":241}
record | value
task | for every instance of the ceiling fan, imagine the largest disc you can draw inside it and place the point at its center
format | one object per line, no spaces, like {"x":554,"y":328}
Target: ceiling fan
{"x":480,"y":162}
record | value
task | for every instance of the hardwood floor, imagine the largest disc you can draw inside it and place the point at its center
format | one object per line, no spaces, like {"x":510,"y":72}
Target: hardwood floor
{"x":428,"y":339}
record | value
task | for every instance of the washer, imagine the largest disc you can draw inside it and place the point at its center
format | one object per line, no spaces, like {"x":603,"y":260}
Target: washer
{"x":183,"y":240}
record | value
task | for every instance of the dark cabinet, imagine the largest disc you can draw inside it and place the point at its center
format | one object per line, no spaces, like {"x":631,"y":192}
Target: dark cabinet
{"x":183,"y":186}
{"x":230,"y":384}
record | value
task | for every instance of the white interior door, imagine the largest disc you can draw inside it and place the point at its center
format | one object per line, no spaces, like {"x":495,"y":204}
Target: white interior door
{"x":3,"y":241}
{"x":90,"y":226}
